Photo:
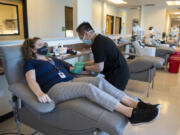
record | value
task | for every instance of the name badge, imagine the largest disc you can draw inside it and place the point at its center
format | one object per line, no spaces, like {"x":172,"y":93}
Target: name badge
{"x":62,"y":75}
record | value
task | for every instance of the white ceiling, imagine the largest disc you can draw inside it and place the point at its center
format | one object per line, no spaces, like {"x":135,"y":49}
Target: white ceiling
{"x":135,"y":3}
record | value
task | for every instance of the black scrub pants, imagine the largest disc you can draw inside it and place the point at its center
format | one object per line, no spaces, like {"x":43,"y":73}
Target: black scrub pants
{"x":118,"y":78}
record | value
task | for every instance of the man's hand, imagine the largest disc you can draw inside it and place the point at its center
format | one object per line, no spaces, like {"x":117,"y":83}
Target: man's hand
{"x":96,"y":67}
{"x":44,"y":98}
{"x":89,"y":63}
{"x":78,"y":68}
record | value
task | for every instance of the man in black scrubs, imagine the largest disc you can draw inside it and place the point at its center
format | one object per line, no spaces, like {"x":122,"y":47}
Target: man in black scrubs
{"x":107,"y":58}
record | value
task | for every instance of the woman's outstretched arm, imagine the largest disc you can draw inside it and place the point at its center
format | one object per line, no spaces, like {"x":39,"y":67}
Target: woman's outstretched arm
{"x":34,"y":86}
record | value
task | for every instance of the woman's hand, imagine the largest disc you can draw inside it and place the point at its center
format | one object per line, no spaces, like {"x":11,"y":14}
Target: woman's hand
{"x":44,"y":98}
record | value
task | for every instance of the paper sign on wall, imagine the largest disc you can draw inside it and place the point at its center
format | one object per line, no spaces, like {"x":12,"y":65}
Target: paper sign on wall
{"x":123,"y":19}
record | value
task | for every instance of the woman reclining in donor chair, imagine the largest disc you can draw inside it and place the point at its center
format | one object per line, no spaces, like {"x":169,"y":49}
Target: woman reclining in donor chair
{"x":51,"y":79}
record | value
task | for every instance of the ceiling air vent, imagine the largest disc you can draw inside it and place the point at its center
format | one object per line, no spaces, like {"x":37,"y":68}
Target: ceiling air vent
{"x":149,"y":5}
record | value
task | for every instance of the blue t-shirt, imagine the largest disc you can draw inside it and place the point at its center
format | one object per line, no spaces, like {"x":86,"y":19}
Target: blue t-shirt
{"x":47,"y":74}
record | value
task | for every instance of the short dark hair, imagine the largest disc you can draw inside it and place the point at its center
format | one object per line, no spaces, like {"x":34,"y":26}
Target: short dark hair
{"x":84,"y":27}
{"x":150,"y":28}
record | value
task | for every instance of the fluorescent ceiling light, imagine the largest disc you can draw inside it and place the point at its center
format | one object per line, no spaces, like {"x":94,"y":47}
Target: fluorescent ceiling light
{"x":173,"y":3}
{"x":118,"y":1}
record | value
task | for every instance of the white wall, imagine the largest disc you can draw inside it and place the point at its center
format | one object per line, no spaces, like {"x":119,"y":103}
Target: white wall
{"x":46,"y":17}
{"x":131,"y":14}
{"x":153,"y":16}
{"x":97,"y":15}
{"x":110,"y":10}
{"x":84,"y":11}
{"x":100,"y":11}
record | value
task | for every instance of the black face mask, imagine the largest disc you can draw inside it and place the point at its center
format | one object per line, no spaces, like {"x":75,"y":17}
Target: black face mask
{"x":43,"y":50}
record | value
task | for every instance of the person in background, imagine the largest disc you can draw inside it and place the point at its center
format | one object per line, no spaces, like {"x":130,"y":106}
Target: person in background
{"x":137,"y":31}
{"x":174,"y":32}
{"x":149,"y":36}
{"x":108,"y":59}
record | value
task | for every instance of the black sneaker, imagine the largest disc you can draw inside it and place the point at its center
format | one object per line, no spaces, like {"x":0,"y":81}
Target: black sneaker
{"x":142,"y":105}
{"x":140,"y":116}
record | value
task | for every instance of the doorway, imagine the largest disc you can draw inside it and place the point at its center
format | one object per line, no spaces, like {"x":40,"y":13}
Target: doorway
{"x":69,"y":21}
{"x":109,"y":25}
{"x":118,"y":25}
{"x":173,"y":26}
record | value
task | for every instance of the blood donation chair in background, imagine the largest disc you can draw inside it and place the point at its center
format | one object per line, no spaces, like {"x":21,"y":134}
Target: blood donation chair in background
{"x":144,"y":68}
{"x":142,"y":50}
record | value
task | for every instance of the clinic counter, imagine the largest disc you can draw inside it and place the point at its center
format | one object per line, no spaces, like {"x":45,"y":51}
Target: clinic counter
{"x":70,"y":56}
{"x":83,"y":49}
{"x":80,"y":47}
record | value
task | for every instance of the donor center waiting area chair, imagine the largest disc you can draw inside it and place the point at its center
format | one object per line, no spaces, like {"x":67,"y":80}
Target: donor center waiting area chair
{"x":73,"y":117}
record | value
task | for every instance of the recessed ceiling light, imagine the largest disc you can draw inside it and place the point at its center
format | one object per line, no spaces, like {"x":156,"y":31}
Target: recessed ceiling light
{"x":173,"y":3}
{"x":118,"y":1}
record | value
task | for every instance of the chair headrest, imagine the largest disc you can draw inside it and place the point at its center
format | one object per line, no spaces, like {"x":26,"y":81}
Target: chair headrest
{"x":12,"y":63}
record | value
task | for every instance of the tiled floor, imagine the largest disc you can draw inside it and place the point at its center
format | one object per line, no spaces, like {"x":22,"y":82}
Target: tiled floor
{"x":166,"y":92}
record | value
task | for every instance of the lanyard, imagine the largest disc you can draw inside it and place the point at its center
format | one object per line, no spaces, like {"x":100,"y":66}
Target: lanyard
{"x":54,"y":64}
{"x":61,"y":74}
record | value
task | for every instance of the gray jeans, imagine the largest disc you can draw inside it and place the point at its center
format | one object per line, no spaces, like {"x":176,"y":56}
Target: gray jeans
{"x":96,"y":89}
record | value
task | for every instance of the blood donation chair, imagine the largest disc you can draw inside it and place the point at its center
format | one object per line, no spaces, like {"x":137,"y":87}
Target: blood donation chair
{"x":73,"y":117}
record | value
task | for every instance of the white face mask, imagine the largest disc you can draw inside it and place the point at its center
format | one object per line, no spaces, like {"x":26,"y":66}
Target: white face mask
{"x":85,"y":41}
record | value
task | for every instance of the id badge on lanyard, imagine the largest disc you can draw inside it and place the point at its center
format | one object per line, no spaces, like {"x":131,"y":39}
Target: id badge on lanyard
{"x":62,"y":75}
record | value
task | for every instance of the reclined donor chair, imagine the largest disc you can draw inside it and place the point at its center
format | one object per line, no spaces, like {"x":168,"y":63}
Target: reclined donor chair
{"x":144,"y":69}
{"x":163,"y":52}
{"x":142,"y":50}
{"x":73,"y":117}
{"x":157,"y":51}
